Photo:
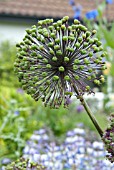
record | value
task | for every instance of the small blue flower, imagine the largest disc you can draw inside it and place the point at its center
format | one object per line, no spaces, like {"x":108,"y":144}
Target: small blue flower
{"x":19,"y":90}
{"x":5,"y":161}
{"x":71,"y":2}
{"x":109,"y":1}
{"x":79,"y":108}
{"x":92,"y":14}
{"x":16,"y":112}
{"x":77,"y":12}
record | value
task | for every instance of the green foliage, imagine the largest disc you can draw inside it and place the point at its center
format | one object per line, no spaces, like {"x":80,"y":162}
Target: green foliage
{"x":21,"y":115}
{"x":22,"y":164}
{"x":7,"y":57}
{"x":105,"y":32}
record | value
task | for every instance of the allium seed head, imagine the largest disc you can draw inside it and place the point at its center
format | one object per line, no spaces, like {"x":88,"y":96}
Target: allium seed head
{"x":108,"y":139}
{"x":55,"y":58}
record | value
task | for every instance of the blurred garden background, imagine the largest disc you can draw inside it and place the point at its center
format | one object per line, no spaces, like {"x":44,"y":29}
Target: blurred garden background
{"x":24,"y":121}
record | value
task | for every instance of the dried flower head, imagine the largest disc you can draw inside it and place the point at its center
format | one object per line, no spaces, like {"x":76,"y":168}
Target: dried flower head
{"x":55,"y":60}
{"x":22,"y":164}
{"x":108,"y":139}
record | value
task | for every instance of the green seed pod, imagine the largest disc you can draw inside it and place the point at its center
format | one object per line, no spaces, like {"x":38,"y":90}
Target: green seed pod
{"x":52,"y":52}
{"x":48,"y":66}
{"x":85,"y":44}
{"x":59,"y":22}
{"x":54,"y":58}
{"x":57,"y":40}
{"x":75,"y":67}
{"x":71,"y":38}
{"x":44,"y":74}
{"x":88,"y":33}
{"x":56,"y":47}
{"x":90,"y":70}
{"x":61,"y":69}
{"x":45,"y":61}
{"x":77,"y":45}
{"x":76,"y":61}
{"x":59,"y":52}
{"x":66,"y":18}
{"x":77,"y":77}
{"x":94,"y":32}
{"x":89,"y":78}
{"x":63,"y":27}
{"x":39,"y":56}
{"x":52,"y":35}
{"x":87,"y":88}
{"x":55,"y":78}
{"x":76,"y":21}
{"x":65,"y":38}
{"x":81,"y":67}
{"x":51,"y":27}
{"x":82,"y":28}
{"x":66,"y":59}
{"x":51,"y":44}
{"x":67,"y":78}
{"x":80,"y":39}
{"x":97,"y":82}
{"x":102,"y":79}
{"x":83,"y":52}
{"x":41,"y":88}
{"x":41,"y":47}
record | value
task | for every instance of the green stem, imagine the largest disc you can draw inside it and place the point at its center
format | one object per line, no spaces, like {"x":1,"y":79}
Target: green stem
{"x":90,"y":114}
{"x":93,"y":119}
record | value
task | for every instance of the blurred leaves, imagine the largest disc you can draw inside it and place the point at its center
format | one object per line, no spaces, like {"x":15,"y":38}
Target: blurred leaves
{"x":7,"y":57}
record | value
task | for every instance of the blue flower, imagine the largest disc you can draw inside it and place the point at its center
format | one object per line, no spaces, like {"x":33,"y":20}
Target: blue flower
{"x":79,"y":108}
{"x":92,"y":14}
{"x":77,"y":13}
{"x":71,"y":2}
{"x":109,"y":1}
{"x":16,"y":112}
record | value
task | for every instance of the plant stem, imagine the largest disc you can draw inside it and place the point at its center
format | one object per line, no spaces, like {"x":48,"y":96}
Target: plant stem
{"x":93,"y":119}
{"x":90,"y":114}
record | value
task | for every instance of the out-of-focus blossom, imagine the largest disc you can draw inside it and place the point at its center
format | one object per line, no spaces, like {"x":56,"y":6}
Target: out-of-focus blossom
{"x":16,"y":112}
{"x":77,"y":12}
{"x":92,"y":14}
{"x":71,"y":2}
{"x":5,"y":161}
{"x":109,"y":1}
{"x":19,"y":90}
{"x":79,"y":108}
{"x":75,"y":152}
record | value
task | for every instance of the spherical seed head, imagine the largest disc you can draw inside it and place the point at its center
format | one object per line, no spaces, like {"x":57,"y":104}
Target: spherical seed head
{"x":55,"y":58}
{"x":108,"y":139}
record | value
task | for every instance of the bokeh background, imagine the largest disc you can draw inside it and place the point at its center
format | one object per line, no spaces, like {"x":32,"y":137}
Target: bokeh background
{"x":20,"y":115}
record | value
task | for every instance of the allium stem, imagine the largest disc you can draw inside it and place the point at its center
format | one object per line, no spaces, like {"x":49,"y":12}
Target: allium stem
{"x":90,"y":114}
{"x":93,"y":119}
